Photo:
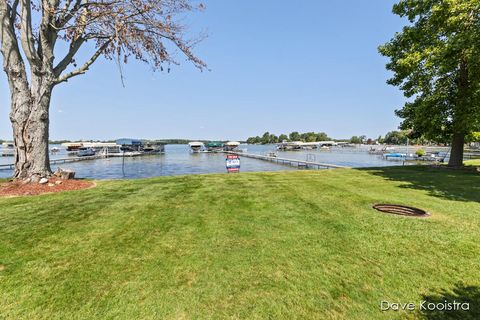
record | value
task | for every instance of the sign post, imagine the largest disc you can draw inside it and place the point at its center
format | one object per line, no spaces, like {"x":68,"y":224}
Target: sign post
{"x":233,"y":163}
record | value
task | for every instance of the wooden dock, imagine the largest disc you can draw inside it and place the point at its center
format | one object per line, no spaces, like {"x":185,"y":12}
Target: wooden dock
{"x":303,"y":164}
{"x":11,"y":166}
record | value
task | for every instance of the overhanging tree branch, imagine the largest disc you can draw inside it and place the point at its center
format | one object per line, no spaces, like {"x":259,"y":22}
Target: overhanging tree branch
{"x":13,"y":11}
{"x":63,"y":64}
{"x":87,"y":64}
{"x":67,"y":14}
{"x":13,"y":62}
{"x":26,"y":34}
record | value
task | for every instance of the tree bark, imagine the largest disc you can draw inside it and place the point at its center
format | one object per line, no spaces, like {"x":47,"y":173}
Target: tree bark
{"x":30,"y":101}
{"x":29,"y":116}
{"x":461,"y":116}
{"x":456,"y":153}
{"x":30,"y":124}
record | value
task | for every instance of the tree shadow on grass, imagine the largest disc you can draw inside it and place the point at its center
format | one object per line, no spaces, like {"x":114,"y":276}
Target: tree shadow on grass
{"x":461,"y":294}
{"x":443,"y":183}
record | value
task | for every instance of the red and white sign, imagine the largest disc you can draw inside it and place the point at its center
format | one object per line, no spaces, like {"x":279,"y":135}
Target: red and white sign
{"x":233,"y":163}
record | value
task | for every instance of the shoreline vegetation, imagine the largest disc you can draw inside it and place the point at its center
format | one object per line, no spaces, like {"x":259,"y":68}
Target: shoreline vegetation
{"x":252,"y":245}
{"x":472,"y":162}
{"x":402,"y":137}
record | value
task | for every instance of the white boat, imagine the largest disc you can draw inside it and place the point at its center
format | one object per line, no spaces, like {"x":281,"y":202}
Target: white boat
{"x":327,"y":143}
{"x":214,"y":146}
{"x":104,"y":148}
{"x":231,"y":145}
{"x":85,"y":152}
{"x":110,"y":147}
{"x":151,"y":148}
{"x":291,"y":146}
{"x":196,"y":146}
{"x":8,"y":149}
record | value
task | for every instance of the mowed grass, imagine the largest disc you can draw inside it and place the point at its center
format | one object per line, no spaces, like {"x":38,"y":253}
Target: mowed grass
{"x":284,"y":245}
{"x":475,"y":162}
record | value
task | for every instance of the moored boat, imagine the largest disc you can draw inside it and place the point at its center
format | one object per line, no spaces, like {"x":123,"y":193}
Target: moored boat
{"x":196,"y":146}
{"x":85,"y":152}
{"x":135,"y":147}
{"x":103,"y":147}
{"x":231,"y":145}
{"x":214,"y":146}
{"x":384,"y":150}
{"x":153,"y":148}
{"x":8,"y":149}
{"x":291,"y":146}
{"x":130,"y":145}
{"x":72,"y":147}
{"x":395,"y":155}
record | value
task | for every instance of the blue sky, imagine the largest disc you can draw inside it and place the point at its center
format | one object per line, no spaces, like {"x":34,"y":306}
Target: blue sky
{"x":277,"y":66}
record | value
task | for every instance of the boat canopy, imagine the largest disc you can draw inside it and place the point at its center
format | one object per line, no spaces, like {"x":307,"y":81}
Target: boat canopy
{"x":214,"y":144}
{"x":72,"y":144}
{"x":195,"y":144}
{"x":99,"y":144}
{"x":129,"y":142}
{"x":293,"y":143}
{"x":327,"y":143}
{"x":232,"y":143}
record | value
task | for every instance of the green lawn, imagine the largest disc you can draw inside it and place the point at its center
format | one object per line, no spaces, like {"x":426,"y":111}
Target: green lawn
{"x":473,"y":162}
{"x":284,"y":245}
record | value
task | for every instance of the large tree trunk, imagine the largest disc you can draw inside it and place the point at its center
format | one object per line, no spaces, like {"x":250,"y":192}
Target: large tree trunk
{"x":456,"y":153}
{"x":30,"y":102}
{"x":30,"y":133}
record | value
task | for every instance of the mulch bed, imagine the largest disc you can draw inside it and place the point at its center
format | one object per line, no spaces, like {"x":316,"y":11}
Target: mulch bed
{"x":18,"y":188}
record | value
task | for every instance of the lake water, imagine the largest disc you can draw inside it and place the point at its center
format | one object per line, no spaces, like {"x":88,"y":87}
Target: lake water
{"x":178,"y":160}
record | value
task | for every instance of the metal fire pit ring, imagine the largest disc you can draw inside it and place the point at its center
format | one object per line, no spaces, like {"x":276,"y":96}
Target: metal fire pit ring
{"x":401,"y":210}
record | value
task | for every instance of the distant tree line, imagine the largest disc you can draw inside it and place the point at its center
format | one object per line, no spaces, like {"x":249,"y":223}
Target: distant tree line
{"x":268,"y":137}
{"x":358,"y":139}
{"x":393,"y":137}
{"x":401,"y":137}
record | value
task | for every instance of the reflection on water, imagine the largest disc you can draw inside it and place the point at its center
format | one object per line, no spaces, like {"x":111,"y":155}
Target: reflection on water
{"x":178,"y":160}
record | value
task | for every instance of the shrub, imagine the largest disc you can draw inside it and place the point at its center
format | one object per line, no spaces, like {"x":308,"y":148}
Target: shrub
{"x":420,"y":152}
